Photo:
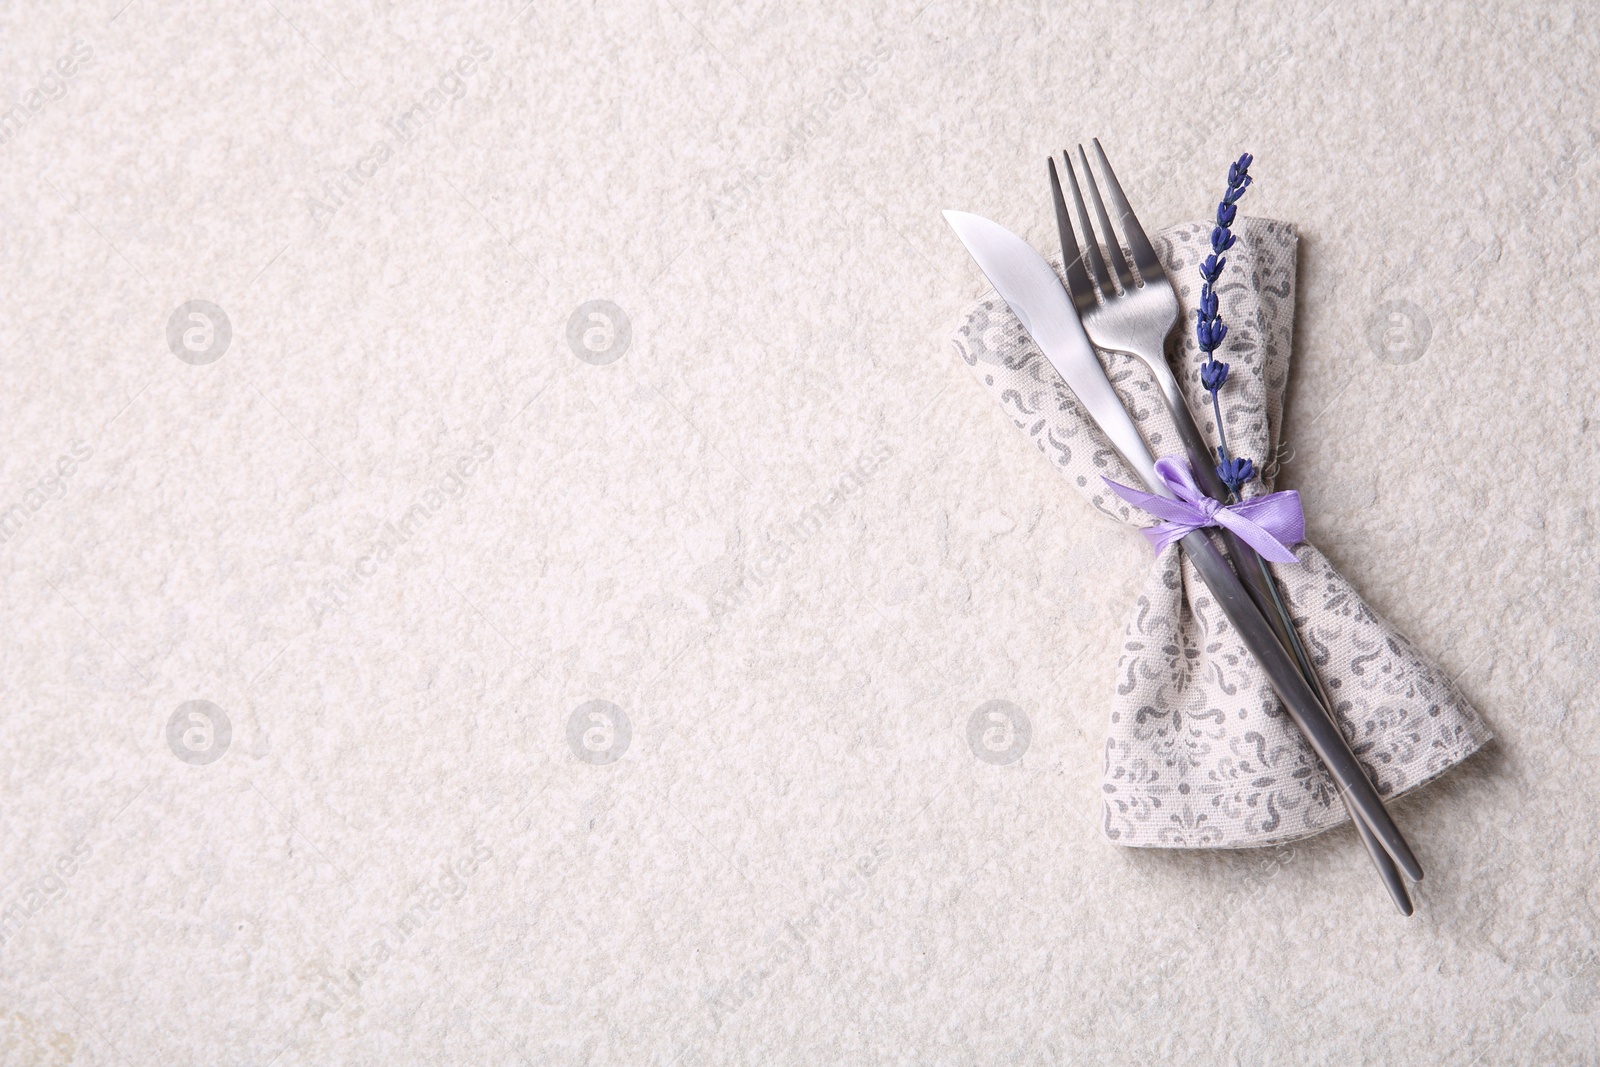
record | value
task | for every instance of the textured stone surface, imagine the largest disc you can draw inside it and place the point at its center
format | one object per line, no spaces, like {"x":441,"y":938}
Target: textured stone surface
{"x":422,"y":509}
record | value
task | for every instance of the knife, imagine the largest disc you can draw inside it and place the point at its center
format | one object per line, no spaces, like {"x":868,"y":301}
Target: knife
{"x":1031,"y":289}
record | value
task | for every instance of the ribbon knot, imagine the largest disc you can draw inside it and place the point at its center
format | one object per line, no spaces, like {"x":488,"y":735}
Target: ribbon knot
{"x":1269,"y":524}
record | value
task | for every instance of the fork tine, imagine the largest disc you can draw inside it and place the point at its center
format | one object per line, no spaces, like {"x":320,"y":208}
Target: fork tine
{"x":1113,"y":243}
{"x":1091,"y":250}
{"x":1079,"y":284}
{"x":1144,"y":257}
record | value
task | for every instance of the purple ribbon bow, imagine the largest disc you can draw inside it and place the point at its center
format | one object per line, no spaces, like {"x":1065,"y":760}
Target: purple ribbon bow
{"x":1268,"y":524}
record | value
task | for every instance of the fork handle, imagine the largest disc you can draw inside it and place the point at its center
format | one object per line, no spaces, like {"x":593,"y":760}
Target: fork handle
{"x":1250,"y":564}
{"x":1296,"y":694}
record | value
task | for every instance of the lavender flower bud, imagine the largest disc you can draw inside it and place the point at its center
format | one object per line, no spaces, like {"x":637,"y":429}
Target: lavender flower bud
{"x":1208,"y":303}
{"x":1211,"y":269}
{"x":1221,"y":240}
{"x":1213,"y":374}
{"x":1225,"y":213}
{"x":1209,"y":334}
{"x":1239,"y":173}
{"x":1236,"y":472}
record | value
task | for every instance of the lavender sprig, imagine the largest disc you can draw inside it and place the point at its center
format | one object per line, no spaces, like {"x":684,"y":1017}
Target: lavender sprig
{"x":1210,"y":332}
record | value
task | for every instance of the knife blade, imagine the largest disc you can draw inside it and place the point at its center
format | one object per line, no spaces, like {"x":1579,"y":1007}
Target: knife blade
{"x":1030,"y":287}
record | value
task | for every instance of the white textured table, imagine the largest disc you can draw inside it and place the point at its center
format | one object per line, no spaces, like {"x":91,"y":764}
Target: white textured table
{"x":398,"y":503}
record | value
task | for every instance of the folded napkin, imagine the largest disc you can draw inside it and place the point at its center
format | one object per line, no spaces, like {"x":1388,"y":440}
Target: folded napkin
{"x":1199,"y":753}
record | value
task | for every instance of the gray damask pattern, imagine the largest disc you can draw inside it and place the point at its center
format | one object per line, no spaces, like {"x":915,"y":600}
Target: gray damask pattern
{"x":1198,"y":753}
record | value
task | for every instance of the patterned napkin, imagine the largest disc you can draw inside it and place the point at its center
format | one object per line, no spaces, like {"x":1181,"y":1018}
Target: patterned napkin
{"x":1199,"y":753}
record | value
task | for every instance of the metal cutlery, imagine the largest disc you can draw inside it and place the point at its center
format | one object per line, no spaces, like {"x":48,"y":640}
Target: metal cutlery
{"x":1131,"y":307}
{"x":1034,"y":293}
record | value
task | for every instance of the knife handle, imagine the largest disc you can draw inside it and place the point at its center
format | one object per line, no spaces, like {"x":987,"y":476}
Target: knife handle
{"x":1297,"y":696}
{"x":1259,"y":581}
{"x":1392,"y":881}
{"x":1263,"y":589}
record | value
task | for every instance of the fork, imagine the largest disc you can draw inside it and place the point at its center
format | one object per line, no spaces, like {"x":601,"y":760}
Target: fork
{"x":1122,"y":311}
